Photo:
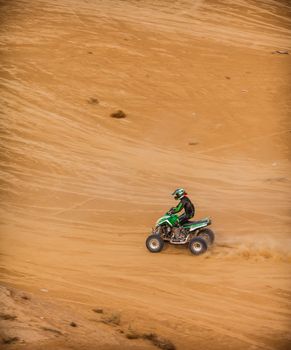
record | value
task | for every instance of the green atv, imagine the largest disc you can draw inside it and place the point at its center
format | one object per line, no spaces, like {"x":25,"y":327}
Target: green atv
{"x":193,"y":233}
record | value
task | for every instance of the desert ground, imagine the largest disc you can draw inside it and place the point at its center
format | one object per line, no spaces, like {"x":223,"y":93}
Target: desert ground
{"x":205,"y":87}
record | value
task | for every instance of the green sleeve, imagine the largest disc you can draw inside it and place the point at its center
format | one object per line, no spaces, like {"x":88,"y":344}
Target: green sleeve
{"x":178,"y":208}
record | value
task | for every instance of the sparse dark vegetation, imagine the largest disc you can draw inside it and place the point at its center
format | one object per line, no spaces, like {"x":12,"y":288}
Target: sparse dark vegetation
{"x":159,"y":342}
{"x":25,"y":297}
{"x":98,"y":311}
{"x":7,"y":317}
{"x":153,"y":338}
{"x":193,"y":143}
{"x":73,"y":324}
{"x":118,"y":114}
{"x":10,"y":340}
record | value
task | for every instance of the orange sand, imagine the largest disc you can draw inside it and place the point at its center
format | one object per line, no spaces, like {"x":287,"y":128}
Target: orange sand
{"x":208,"y":108}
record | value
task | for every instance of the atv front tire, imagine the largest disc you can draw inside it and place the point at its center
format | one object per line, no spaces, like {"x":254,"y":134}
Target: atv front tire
{"x":207,"y":235}
{"x":154,"y":243}
{"x":197,"y":246}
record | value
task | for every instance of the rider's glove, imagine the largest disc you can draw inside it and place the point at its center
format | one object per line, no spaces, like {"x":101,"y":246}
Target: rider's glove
{"x":171,"y":211}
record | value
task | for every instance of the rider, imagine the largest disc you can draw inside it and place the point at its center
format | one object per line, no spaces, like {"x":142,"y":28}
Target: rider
{"x":185,"y":203}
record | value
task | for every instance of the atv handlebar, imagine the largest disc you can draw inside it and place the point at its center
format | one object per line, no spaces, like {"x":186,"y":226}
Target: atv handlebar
{"x":171,"y":211}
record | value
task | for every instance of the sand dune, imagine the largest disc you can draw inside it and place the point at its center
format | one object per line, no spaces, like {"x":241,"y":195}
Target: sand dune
{"x":206,"y":97}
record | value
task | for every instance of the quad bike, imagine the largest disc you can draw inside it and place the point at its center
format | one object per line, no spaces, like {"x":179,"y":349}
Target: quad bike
{"x":193,"y":233}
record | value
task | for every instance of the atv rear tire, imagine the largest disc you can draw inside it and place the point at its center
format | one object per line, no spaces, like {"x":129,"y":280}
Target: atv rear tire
{"x":154,"y":243}
{"x":207,"y":235}
{"x":197,"y":246}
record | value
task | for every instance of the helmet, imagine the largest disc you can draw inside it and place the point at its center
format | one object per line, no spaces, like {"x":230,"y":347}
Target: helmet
{"x":179,"y":193}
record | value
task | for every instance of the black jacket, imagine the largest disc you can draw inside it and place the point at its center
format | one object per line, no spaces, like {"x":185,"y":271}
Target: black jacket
{"x":187,"y":205}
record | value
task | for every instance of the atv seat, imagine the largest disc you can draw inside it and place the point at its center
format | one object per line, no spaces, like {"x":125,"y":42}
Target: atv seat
{"x":194,"y":222}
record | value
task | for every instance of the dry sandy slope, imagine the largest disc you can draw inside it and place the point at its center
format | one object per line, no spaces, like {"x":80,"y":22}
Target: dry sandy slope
{"x":208,"y":108}
{"x":31,"y":322}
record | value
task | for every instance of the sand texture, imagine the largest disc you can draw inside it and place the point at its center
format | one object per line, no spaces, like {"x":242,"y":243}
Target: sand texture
{"x":106,"y":107}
